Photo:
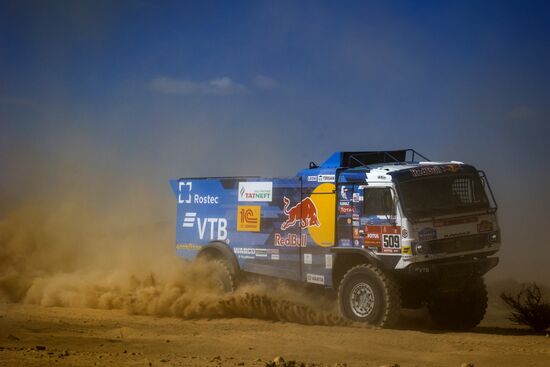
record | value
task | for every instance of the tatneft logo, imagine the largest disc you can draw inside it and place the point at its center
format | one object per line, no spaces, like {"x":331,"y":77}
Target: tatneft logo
{"x":217,"y":226}
{"x":255,"y":191}
{"x":186,"y":197}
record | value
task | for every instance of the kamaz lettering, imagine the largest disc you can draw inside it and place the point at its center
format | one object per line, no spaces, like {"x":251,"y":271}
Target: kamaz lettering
{"x":383,"y":229}
{"x":206,"y":199}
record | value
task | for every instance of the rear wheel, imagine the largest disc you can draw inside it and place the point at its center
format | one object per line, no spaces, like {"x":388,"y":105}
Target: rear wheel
{"x":223,"y":277}
{"x":368,"y":295}
{"x":460,"y":310}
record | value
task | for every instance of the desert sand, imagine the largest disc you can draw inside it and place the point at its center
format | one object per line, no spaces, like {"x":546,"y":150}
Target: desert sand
{"x":33,"y":335}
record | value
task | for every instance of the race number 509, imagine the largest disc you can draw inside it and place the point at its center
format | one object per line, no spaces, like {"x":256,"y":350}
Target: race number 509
{"x":390,"y":241}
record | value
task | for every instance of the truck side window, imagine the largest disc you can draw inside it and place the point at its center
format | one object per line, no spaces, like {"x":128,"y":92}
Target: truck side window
{"x":378,"y":201}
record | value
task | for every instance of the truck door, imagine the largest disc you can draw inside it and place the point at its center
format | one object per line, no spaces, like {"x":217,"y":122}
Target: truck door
{"x":379,"y":227}
{"x":318,"y":222}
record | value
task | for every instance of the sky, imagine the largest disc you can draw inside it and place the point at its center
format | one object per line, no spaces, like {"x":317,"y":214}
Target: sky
{"x":100,"y":96}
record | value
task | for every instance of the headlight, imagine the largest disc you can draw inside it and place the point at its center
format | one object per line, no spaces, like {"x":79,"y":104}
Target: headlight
{"x":420,"y":248}
{"x":493,"y":237}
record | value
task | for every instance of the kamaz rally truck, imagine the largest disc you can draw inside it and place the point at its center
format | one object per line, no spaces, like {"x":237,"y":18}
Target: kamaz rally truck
{"x":384,"y":230}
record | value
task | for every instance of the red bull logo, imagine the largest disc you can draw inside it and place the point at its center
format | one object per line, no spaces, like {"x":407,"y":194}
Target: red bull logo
{"x":305,"y":213}
{"x":291,"y":240}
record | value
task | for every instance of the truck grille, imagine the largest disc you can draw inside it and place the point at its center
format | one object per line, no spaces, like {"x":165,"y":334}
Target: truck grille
{"x":459,"y":244}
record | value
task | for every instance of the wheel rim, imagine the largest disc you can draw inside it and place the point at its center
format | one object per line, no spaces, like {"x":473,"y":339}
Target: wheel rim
{"x":362,"y":299}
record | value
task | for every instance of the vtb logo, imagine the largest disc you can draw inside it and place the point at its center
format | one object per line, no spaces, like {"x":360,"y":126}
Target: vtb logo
{"x":304,"y":212}
{"x":248,"y":218}
{"x":217,"y":226}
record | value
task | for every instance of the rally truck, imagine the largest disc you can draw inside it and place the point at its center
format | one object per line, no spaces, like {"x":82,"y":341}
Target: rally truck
{"x":383,"y":230}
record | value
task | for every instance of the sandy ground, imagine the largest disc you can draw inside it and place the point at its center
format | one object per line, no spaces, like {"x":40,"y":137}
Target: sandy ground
{"x":34,"y":335}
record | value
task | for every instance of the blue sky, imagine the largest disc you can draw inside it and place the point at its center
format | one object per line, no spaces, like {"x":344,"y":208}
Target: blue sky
{"x":102,"y":93}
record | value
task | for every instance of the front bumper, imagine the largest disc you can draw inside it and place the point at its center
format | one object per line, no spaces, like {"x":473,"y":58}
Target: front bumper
{"x":451,"y":271}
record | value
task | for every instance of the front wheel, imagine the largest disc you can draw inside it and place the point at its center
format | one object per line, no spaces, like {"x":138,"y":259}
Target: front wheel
{"x":368,"y":295}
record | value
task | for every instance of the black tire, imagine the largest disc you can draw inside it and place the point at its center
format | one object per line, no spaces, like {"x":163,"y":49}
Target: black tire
{"x":461,"y":310}
{"x":223,"y":276}
{"x":366,"y":294}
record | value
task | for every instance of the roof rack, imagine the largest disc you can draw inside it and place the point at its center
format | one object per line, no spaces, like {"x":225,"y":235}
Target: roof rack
{"x":362,"y":159}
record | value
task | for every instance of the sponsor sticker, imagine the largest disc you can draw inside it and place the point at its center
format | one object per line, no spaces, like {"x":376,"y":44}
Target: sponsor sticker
{"x":344,"y":193}
{"x":346,"y":209}
{"x":427,"y":234}
{"x":261,"y":252}
{"x":315,"y":278}
{"x":345,"y":242}
{"x":391,"y":243}
{"x":256,"y":191}
{"x":312,"y":178}
{"x":435,"y":170}
{"x":248,"y":218}
{"x":373,"y":235}
{"x":245,"y":253}
{"x":388,"y":238}
{"x":325,"y":178}
{"x":308,"y":259}
{"x":217,"y":227}
{"x":188,"y":246}
{"x":328,"y":261}
{"x":290,"y":240}
{"x":186,"y":196}
{"x":265,"y":252}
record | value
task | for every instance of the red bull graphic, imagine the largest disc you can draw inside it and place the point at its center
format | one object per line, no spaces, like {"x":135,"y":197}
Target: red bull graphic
{"x":304,"y":212}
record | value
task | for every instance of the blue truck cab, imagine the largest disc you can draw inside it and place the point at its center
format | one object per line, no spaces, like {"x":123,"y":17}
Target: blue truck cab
{"x":384,"y":229}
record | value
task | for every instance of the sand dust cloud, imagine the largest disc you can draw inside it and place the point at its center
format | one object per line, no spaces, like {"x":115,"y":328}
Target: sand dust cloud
{"x":62,"y":251}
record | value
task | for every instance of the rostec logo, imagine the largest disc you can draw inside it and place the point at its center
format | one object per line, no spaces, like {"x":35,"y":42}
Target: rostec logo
{"x":304,"y":212}
{"x":181,"y":187}
{"x":255,"y":191}
{"x":248,"y":218}
{"x":194,"y":198}
{"x":217,"y":226}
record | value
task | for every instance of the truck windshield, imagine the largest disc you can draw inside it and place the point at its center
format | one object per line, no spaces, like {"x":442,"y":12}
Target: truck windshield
{"x":440,"y":195}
